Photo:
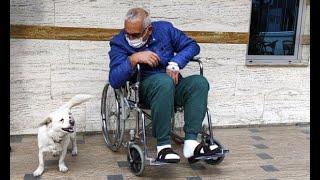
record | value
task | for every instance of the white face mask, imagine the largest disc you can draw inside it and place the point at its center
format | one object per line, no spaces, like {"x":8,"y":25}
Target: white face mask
{"x":136,"y":43}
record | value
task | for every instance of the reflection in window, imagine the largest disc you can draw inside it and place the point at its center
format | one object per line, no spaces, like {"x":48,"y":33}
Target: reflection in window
{"x":273,"y":27}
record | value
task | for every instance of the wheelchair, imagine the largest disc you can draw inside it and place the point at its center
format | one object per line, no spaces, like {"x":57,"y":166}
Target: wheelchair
{"x":116,"y":105}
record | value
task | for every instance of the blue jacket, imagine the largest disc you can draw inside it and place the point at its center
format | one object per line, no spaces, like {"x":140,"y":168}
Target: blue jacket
{"x":168,"y":42}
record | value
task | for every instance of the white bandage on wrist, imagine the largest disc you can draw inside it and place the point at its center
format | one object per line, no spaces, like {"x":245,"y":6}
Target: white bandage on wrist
{"x":173,"y":66}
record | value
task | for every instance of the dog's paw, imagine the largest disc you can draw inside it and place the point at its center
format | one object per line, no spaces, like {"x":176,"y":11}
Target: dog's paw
{"x":38,"y":172}
{"x":63,"y":168}
{"x":74,"y":152}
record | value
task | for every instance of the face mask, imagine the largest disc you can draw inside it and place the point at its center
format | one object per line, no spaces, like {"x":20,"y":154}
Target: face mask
{"x":136,"y":43}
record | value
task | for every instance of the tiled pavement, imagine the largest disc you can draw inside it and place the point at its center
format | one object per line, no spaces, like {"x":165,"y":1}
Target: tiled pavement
{"x":277,"y":152}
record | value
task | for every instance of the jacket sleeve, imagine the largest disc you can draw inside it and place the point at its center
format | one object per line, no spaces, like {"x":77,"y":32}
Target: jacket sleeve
{"x":120,"y":66}
{"x":185,"y":47}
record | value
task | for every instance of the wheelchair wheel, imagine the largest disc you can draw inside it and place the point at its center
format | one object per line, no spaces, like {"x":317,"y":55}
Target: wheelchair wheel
{"x":207,"y":140}
{"x":135,"y":159}
{"x":112,"y":125}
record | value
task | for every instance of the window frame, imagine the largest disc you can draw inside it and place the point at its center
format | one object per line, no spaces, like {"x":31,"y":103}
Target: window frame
{"x":280,"y":59}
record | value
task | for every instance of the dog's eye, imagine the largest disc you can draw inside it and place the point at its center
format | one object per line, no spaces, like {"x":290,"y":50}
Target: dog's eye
{"x":62,"y":120}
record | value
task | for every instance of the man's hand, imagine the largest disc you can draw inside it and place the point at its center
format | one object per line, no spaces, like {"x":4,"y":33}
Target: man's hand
{"x":173,"y":71}
{"x":174,"y":75}
{"x":144,"y":57}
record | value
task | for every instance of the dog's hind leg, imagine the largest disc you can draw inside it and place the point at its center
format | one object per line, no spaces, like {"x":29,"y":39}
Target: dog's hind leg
{"x":74,"y":144}
{"x":62,"y":165}
{"x":40,"y":168}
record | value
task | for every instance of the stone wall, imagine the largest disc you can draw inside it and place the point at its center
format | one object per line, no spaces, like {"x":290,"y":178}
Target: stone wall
{"x":46,"y":73}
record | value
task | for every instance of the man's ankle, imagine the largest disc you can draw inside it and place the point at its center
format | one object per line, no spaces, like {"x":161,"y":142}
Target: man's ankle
{"x":191,"y":136}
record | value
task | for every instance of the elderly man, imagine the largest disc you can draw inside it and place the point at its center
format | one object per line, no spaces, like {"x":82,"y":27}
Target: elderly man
{"x":162,"y":50}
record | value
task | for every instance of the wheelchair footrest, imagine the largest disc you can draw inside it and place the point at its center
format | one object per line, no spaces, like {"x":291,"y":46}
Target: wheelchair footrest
{"x":225,"y":151}
{"x":154,"y":162}
{"x":157,"y":163}
{"x":215,"y":156}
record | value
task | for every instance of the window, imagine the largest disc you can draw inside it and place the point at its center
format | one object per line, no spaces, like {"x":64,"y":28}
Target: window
{"x":274,"y":31}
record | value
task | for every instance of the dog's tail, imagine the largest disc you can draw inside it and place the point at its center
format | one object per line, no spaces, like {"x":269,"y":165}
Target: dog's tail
{"x":77,"y":99}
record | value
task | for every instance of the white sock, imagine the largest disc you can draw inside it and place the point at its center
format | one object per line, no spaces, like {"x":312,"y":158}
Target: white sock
{"x":190,"y":145}
{"x":169,"y":156}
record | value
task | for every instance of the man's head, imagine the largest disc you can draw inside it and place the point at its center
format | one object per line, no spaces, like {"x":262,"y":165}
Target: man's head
{"x":137,"y":26}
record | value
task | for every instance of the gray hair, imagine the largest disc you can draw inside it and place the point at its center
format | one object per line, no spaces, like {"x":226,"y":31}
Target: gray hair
{"x":136,"y":13}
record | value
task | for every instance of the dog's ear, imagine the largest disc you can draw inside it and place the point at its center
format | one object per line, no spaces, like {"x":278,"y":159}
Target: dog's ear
{"x":46,"y":121}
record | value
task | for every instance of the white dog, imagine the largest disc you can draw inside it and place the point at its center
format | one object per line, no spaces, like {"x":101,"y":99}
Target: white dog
{"x":56,"y":131}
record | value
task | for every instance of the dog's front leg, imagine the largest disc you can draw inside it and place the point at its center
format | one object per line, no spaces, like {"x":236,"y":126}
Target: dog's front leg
{"x":74,"y":144}
{"x":62,"y":165}
{"x":40,"y":168}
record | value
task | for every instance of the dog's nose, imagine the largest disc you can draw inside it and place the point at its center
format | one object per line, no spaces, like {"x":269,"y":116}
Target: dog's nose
{"x":71,"y":122}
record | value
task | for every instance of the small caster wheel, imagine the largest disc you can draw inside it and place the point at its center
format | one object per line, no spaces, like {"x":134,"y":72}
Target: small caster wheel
{"x":215,"y":161}
{"x":135,"y":159}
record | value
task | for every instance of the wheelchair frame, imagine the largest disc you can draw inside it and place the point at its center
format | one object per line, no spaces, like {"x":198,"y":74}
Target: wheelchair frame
{"x":137,"y":157}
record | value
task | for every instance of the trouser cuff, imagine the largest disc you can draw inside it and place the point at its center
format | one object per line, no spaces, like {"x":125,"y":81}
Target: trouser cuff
{"x":191,"y":136}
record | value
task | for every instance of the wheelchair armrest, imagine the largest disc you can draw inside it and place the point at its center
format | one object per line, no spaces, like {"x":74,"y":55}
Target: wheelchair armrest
{"x":135,"y":85}
{"x":197,"y":59}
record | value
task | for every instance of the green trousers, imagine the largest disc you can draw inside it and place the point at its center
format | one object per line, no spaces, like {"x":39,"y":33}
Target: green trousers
{"x":159,"y":93}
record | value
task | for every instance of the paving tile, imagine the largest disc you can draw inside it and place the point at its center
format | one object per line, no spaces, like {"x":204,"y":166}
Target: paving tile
{"x":197,"y":166}
{"x":80,"y":137}
{"x":80,"y":141}
{"x":30,"y":177}
{"x":264,"y":156}
{"x":15,"y":139}
{"x":306,"y":131}
{"x":258,"y":138}
{"x":269,"y":168}
{"x":194,"y":178}
{"x":51,"y":162}
{"x":254,"y":130}
{"x":123,"y":164}
{"x":115,"y":177}
{"x":260,"y":146}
